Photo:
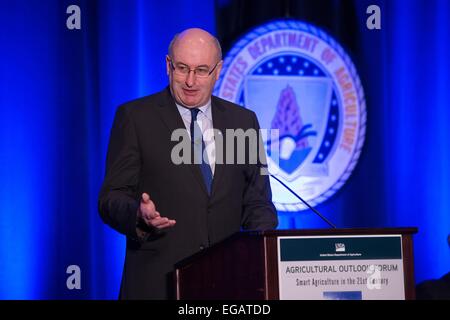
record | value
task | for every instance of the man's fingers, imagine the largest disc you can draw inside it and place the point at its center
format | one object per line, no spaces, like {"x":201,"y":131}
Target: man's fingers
{"x":161,"y":223}
{"x":158,"y":221}
{"x":168,"y":224}
{"x":147,"y":207}
{"x":145,"y":197}
{"x":151,"y":216}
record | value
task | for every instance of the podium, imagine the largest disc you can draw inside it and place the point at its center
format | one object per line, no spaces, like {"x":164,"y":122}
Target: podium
{"x":302,"y":264}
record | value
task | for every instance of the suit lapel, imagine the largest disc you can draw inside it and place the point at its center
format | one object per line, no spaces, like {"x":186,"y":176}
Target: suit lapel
{"x":172,"y":119}
{"x":220,"y":123}
{"x":169,"y":112}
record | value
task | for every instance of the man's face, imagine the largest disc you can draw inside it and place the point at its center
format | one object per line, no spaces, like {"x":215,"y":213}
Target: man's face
{"x":190,"y":89}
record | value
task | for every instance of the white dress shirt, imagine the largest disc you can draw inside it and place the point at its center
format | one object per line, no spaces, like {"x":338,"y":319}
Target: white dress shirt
{"x":205,"y":122}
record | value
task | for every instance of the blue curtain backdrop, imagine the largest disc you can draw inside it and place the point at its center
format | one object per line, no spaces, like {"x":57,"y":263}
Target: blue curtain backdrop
{"x":59,"y":89}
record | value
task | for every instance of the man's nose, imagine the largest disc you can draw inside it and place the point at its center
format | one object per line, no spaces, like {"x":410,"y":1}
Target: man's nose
{"x":190,"y":78}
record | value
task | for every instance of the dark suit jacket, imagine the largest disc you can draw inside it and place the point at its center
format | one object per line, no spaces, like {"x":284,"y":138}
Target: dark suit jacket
{"x":139,"y":160}
{"x":434,"y":289}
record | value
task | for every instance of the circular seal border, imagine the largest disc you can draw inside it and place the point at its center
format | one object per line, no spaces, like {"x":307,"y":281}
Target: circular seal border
{"x":306,"y":27}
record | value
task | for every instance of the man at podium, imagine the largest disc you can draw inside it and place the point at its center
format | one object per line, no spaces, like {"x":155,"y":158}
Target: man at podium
{"x":169,"y":210}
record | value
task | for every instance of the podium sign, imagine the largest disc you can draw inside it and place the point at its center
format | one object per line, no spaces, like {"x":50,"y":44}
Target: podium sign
{"x":341,"y":267}
{"x":302,"y":264}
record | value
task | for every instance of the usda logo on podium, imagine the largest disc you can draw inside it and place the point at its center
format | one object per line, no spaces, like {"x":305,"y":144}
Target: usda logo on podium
{"x":300,"y":81}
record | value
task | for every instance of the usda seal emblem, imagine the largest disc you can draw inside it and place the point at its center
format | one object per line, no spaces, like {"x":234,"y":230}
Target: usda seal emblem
{"x":300,"y":81}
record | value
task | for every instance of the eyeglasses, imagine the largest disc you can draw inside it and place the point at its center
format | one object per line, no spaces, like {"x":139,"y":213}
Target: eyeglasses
{"x":183,"y":70}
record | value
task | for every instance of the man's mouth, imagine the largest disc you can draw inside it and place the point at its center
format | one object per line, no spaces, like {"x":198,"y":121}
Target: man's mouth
{"x":190,"y":92}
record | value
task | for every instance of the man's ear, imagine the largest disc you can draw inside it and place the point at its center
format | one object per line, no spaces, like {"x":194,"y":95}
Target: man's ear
{"x":167,"y":64}
{"x":219,"y":69}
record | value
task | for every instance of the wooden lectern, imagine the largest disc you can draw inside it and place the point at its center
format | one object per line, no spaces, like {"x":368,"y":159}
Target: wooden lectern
{"x":245,"y":266}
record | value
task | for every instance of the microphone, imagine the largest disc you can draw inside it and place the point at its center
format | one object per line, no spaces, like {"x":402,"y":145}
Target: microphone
{"x":306,"y":203}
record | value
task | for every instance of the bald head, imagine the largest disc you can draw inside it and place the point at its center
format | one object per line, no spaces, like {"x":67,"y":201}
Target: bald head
{"x":193,"y":65}
{"x":195,"y":37}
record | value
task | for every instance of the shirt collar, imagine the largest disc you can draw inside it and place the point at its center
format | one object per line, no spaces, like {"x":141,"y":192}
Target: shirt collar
{"x":205,"y":109}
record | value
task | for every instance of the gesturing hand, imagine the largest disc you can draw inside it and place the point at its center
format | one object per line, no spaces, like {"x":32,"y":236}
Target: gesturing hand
{"x":152,"y":218}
